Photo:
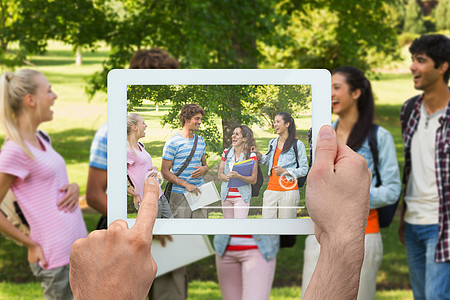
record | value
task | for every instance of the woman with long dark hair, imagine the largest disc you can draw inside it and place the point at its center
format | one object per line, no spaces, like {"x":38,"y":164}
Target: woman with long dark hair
{"x":287,"y":161}
{"x":353,"y":102}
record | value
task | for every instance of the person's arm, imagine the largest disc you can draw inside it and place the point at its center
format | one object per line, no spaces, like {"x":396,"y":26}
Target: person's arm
{"x":337,"y":198}
{"x":221,"y":175}
{"x":169,"y":176}
{"x":117,"y":263}
{"x":96,"y":189}
{"x":200,"y":171}
{"x":35,"y":253}
{"x":390,"y":189}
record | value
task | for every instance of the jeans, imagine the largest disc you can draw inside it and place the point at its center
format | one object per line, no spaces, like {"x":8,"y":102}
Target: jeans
{"x":429,"y":280}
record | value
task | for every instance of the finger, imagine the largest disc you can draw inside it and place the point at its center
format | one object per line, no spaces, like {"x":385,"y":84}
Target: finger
{"x":64,"y":188}
{"x":146,"y":216}
{"x":326,"y":149}
{"x":118,"y":225}
{"x":43,"y":261}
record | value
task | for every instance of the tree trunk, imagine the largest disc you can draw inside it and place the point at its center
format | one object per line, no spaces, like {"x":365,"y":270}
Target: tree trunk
{"x":79,"y":58}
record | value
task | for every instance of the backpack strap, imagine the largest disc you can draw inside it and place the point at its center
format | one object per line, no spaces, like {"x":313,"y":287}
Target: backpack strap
{"x":44,"y":136}
{"x":296,"y":152}
{"x":373,"y":144}
{"x":408,"y":109}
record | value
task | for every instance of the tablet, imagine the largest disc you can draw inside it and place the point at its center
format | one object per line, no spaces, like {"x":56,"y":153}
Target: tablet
{"x":318,"y":82}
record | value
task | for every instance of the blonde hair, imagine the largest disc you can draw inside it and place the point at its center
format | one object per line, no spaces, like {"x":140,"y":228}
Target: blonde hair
{"x":13,"y":89}
{"x":132,"y":119}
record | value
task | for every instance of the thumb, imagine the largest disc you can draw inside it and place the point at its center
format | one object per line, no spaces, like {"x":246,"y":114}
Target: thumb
{"x":326,"y":149}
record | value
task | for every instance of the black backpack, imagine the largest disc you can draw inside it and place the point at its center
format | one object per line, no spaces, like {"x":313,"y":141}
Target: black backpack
{"x":386,"y":213}
{"x":259,"y":179}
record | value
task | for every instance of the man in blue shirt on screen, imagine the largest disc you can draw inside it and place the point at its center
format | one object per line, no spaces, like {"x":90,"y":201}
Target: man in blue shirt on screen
{"x":176,"y":151}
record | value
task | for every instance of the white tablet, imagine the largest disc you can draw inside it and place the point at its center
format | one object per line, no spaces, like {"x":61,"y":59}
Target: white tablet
{"x":319,"y":83}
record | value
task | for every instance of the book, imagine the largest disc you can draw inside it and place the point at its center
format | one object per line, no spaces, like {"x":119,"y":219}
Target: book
{"x":208,"y":195}
{"x":245,"y":168}
{"x":181,"y":251}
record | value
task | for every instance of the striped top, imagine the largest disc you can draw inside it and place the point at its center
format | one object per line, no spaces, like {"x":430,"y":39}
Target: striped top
{"x":241,"y":243}
{"x":177,"y":149}
{"x":99,"y":149}
{"x":37,"y":189}
{"x":138,"y":166}
{"x":234,"y":192}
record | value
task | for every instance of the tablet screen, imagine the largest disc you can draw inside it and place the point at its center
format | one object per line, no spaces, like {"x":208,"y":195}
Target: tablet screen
{"x":225,"y":205}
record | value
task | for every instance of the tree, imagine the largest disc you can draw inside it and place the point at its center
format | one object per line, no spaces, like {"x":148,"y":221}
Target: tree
{"x":413,"y":18}
{"x":442,"y":15}
{"x":25,"y":23}
{"x":357,"y":33}
{"x":236,"y":34}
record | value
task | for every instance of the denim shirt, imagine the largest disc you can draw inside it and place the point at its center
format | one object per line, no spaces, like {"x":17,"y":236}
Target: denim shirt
{"x":245,"y":190}
{"x":268,"y":245}
{"x":287,"y":160}
{"x":390,"y":189}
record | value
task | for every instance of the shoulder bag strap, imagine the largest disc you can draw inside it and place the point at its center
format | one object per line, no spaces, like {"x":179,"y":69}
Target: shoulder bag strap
{"x":189,"y":158}
{"x":408,"y":109}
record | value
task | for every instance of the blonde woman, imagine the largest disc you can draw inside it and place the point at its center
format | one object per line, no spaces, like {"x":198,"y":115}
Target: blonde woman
{"x":140,"y":165}
{"x":37,"y":175}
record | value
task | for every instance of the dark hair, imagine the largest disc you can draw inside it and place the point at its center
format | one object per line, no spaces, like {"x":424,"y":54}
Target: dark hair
{"x":190,"y":110}
{"x":287,"y":118}
{"x":356,"y":79}
{"x":153,"y":59}
{"x":435,"y":46}
{"x":248,"y":134}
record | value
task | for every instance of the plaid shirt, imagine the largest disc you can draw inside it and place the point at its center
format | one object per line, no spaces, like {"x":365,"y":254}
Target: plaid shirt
{"x":442,"y":164}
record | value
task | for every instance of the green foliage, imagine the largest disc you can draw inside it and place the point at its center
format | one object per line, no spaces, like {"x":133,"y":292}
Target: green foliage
{"x":28,"y":25}
{"x":414,"y":22}
{"x":442,"y":15}
{"x":334,"y":33}
{"x":289,"y":98}
{"x":406,"y":38}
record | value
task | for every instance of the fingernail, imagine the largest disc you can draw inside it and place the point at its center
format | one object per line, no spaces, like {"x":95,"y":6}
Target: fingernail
{"x":326,"y":132}
{"x":151,"y":180}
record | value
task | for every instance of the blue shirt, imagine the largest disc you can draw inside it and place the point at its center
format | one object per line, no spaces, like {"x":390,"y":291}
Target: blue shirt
{"x":99,"y":149}
{"x":177,"y":149}
{"x":390,"y":189}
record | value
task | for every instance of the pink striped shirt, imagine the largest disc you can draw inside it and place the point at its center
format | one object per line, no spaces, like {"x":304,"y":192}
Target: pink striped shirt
{"x":138,"y":166}
{"x":37,"y":189}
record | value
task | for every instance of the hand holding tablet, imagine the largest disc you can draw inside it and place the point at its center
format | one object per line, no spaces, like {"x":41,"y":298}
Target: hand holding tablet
{"x":107,"y":262}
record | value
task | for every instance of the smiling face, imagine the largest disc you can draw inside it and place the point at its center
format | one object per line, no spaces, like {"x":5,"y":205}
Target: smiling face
{"x":425,"y":75}
{"x":194,"y":123}
{"x":279,"y":125}
{"x":342,"y":99}
{"x":140,"y":127}
{"x":236,"y":138}
{"x":45,"y":98}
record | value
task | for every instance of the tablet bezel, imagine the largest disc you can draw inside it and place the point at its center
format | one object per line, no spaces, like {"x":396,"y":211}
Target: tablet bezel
{"x":119,"y":79}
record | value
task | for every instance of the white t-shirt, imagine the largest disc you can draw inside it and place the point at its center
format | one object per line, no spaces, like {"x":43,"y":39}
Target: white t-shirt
{"x":422,"y":196}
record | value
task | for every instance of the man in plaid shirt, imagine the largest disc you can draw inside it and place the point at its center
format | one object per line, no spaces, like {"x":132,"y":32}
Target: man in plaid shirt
{"x":425,"y":221}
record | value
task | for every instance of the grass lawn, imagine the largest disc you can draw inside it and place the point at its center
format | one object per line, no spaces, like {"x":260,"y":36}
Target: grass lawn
{"x":72,"y":130}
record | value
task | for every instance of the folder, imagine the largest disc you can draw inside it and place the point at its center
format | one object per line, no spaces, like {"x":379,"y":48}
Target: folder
{"x":209,"y":194}
{"x":245,"y":168}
